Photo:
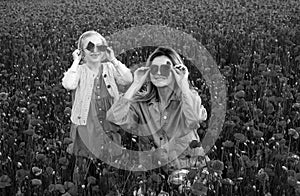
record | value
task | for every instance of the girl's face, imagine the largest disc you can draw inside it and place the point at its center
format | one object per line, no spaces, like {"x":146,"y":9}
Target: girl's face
{"x":160,"y":71}
{"x":94,"y":49}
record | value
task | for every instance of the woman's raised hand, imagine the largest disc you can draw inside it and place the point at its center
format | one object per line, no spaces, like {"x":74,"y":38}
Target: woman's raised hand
{"x":181,"y":74}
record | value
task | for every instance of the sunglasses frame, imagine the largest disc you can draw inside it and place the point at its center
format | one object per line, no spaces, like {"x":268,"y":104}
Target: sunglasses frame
{"x":164,"y":72}
{"x":99,"y":48}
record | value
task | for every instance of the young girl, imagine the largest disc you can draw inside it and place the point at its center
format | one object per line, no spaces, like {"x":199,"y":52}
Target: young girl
{"x":169,"y":111}
{"x":95,"y":84}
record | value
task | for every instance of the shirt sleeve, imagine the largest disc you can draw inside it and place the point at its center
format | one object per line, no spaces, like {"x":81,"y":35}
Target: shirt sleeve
{"x":193,"y":110}
{"x":124,"y":114}
{"x":122,"y":74}
{"x":71,"y":78}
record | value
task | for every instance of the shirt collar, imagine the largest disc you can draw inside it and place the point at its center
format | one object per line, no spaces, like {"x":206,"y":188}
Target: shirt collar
{"x":174,"y":97}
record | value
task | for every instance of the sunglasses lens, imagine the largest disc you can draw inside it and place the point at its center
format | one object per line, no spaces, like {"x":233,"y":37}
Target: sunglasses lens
{"x":90,"y":46}
{"x":153,"y":69}
{"x":165,"y":69}
{"x":102,"y":48}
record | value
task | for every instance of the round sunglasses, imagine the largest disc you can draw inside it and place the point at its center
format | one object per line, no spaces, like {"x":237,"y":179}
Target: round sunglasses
{"x":164,"y":69}
{"x":99,"y":48}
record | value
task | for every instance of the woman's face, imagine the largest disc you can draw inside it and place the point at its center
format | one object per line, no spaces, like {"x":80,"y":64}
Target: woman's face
{"x":94,"y":49}
{"x":160,"y":71}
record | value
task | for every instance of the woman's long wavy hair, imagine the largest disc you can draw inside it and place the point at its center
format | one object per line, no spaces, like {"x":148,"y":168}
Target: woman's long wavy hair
{"x":150,"y":89}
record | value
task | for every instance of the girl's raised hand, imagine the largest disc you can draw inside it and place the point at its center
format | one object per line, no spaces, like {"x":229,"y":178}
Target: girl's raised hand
{"x":140,"y":75}
{"x":77,"y":55}
{"x":110,"y":54}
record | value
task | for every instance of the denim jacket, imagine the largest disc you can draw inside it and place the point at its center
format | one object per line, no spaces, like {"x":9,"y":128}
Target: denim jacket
{"x":82,"y":80}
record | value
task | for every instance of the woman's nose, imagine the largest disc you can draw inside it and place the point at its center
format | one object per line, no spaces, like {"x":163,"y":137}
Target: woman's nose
{"x":158,"y":71}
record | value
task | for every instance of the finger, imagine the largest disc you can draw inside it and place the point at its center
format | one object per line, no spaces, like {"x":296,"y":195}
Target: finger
{"x":181,"y":67}
{"x":143,"y":68}
{"x":141,"y":71}
{"x":109,"y":49}
{"x":176,"y":71}
{"x":145,"y":72}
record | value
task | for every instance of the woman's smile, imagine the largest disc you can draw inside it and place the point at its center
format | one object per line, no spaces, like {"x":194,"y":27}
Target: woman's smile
{"x":158,"y":77}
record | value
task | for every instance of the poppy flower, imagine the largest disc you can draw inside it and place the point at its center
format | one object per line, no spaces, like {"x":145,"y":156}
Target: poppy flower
{"x":63,"y":161}
{"x":37,"y":122}
{"x":291,"y":173}
{"x":258,"y":134}
{"x":36,"y":171}
{"x":155,"y":178}
{"x":178,"y":177}
{"x":292,"y":132}
{"x":163,"y":193}
{"x":73,"y":190}
{"x":262,"y":67}
{"x":228,"y":144}
{"x":292,"y":181}
{"x":40,"y":157}
{"x":217,"y":165}
{"x":23,"y":110}
{"x":262,"y":176}
{"x":240,"y":94}
{"x":269,"y":108}
{"x":91,"y":180}
{"x":36,"y":182}
{"x":240,"y":137}
{"x":296,"y":105}
{"x":5,"y":181}
{"x":3,"y":96}
{"x":66,"y":194}
{"x":69,"y":186}
{"x":49,"y":170}
{"x":227,"y":181}
{"x":21,"y":174}
{"x":60,"y":188}
{"x":68,"y":111}
{"x":199,"y":188}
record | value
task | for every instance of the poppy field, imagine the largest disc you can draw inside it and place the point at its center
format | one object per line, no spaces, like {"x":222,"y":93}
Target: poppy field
{"x":256,"y":45}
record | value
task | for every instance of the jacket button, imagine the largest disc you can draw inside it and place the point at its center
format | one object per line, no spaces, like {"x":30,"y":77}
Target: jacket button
{"x":108,"y":86}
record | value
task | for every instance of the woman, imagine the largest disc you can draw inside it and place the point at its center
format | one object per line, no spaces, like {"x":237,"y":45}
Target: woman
{"x":94,"y":81}
{"x":168,"y":111}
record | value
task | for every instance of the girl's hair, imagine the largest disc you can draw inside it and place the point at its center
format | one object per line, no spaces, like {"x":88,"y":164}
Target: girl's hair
{"x":86,"y":35}
{"x":151,"y":90}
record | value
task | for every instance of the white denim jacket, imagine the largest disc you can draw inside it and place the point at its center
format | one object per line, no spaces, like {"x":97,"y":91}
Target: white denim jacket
{"x":82,"y":78}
